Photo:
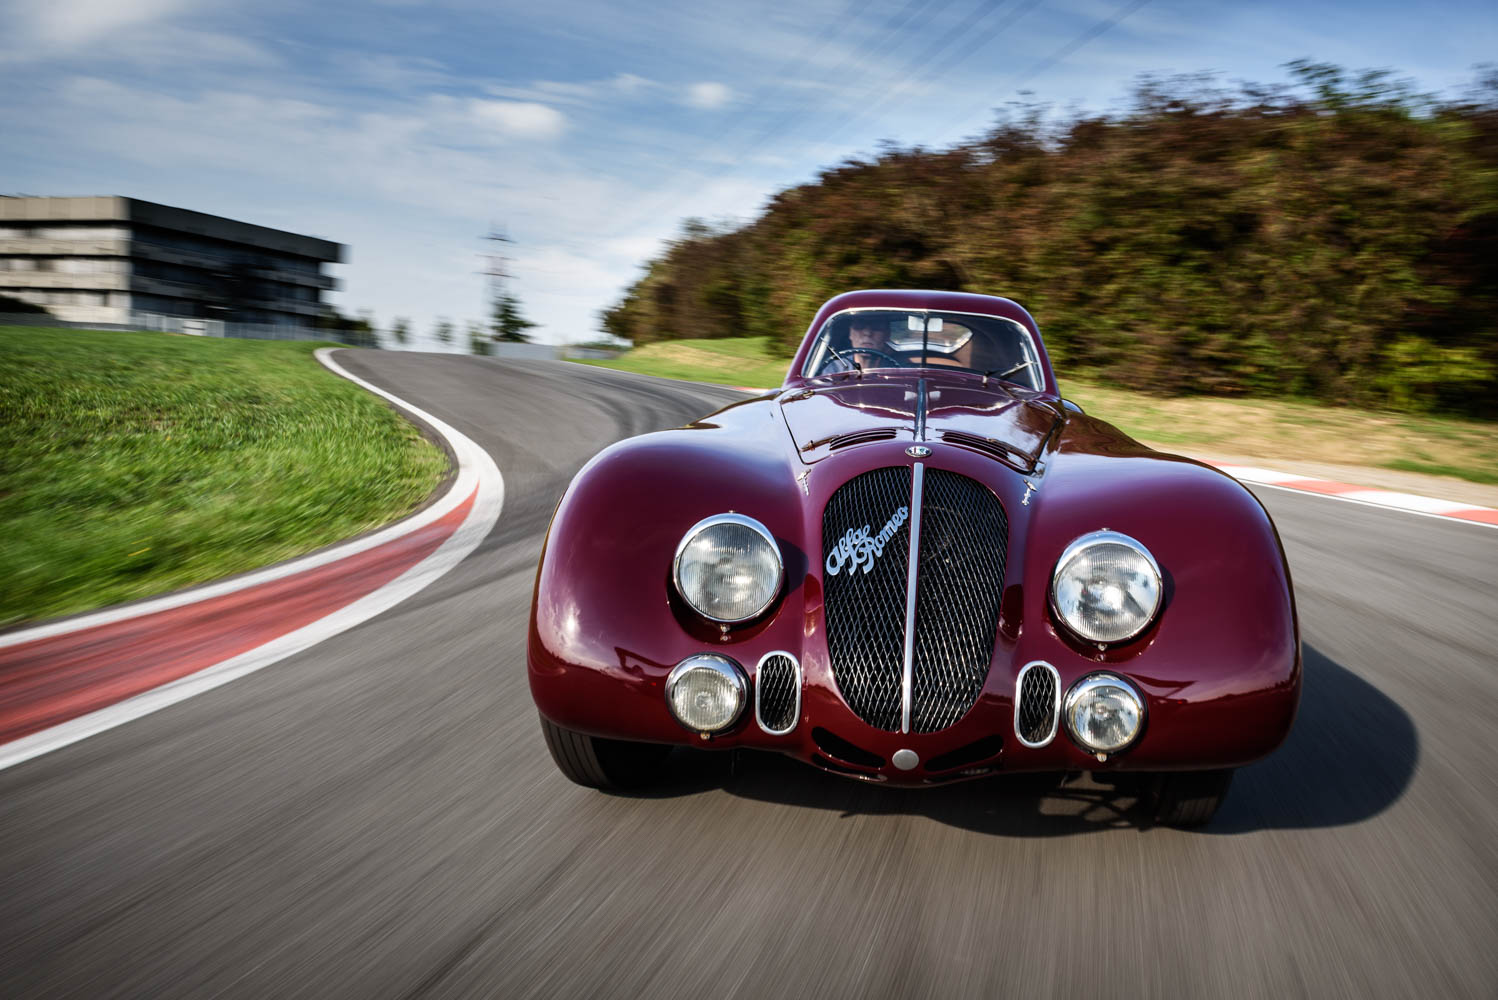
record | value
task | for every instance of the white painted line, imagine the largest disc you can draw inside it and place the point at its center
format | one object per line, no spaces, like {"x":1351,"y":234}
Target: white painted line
{"x":1378,"y":506}
{"x":1252,"y":474}
{"x":475,"y":467}
{"x":462,"y":486}
{"x":1407,"y":501}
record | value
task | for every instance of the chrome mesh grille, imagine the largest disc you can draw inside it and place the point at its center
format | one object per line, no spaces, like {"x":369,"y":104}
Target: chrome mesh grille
{"x":777,"y":693}
{"x":865,"y":611}
{"x":964,"y":539}
{"x":963,"y":543}
{"x":1035,"y":705}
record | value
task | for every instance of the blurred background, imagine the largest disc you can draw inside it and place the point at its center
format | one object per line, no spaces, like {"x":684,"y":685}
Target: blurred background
{"x":1210,"y":197}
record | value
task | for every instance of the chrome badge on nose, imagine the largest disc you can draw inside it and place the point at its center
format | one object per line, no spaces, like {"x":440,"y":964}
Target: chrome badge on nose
{"x":918,"y":451}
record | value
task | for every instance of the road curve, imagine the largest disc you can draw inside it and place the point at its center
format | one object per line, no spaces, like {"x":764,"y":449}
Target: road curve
{"x":377,"y":816}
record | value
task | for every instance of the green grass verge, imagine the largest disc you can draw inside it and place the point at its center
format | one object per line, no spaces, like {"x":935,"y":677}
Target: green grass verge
{"x":744,"y":361}
{"x":137,"y":463}
{"x":1282,"y":430}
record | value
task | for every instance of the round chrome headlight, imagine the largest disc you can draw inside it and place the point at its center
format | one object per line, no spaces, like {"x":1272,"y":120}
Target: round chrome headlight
{"x":707,"y":692}
{"x":1104,"y":713}
{"x":1106,"y":587}
{"x":728,"y":568}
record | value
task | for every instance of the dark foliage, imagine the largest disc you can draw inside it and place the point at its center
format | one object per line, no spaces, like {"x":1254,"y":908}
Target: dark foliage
{"x":1336,"y":240}
{"x":351,"y":330}
{"x":508,"y":323}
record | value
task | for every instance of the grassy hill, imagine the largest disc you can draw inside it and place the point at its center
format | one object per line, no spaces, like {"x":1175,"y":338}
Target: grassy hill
{"x":137,"y":463}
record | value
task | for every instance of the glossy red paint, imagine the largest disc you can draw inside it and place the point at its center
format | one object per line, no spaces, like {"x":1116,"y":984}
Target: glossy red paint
{"x":1220,"y":667}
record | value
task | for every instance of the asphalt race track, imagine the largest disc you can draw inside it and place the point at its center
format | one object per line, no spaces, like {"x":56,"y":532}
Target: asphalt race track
{"x":378,"y":817}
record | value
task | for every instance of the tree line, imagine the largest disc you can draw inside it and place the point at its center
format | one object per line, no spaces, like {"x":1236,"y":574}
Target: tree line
{"x":1334,"y":238}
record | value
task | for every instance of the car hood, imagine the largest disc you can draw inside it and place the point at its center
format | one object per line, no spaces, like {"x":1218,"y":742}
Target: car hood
{"x":822,"y":420}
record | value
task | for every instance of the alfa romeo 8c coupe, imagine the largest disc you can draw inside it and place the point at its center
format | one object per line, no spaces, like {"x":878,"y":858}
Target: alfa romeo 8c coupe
{"x":915,"y":563}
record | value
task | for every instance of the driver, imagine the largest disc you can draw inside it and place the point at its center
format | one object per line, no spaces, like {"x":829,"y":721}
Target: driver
{"x":866,"y":334}
{"x":868,"y":343}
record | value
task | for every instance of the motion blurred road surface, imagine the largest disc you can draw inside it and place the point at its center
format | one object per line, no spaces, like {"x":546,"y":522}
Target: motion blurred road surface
{"x":378,"y":817}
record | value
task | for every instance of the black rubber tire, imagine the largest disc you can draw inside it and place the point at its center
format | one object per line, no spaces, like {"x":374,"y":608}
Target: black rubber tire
{"x":1190,"y":798}
{"x":594,"y":762}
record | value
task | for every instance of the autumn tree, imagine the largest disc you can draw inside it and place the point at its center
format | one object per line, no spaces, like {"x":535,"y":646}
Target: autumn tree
{"x":1334,"y":238}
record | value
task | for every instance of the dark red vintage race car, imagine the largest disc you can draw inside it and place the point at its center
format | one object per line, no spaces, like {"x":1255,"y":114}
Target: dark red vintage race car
{"x":915,"y":563}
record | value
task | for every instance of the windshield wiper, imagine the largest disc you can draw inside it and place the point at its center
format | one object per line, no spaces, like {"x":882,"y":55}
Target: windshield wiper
{"x":847,"y":361}
{"x":1002,"y":374}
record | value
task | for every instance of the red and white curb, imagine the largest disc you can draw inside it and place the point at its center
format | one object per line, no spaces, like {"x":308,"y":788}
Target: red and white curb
{"x":1410,"y":503}
{"x":66,"y":681}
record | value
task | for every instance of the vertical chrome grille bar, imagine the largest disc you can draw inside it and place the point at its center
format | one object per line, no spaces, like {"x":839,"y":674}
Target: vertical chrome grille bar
{"x":917,"y":480}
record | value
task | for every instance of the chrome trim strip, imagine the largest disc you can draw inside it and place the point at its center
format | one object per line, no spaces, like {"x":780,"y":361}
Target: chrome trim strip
{"x":730,"y":518}
{"x":920,"y":410}
{"x":917,"y":484}
{"x":796,"y":715}
{"x":1019,"y":683}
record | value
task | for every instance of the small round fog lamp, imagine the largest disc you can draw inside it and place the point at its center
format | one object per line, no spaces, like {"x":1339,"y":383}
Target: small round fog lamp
{"x":707,"y":693}
{"x":1104,"y":713}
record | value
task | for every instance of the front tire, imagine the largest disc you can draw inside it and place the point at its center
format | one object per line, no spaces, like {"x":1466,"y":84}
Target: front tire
{"x":1188,"y":799}
{"x":594,"y":762}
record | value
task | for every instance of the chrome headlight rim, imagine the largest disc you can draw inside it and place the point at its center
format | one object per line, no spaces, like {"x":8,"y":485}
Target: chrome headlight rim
{"x":722,"y":665}
{"x":1094,"y":680}
{"x":747,"y":522}
{"x":1080,"y":544}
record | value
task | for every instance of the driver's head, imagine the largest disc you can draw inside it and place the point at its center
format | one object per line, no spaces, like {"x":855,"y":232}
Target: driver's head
{"x":865,"y":331}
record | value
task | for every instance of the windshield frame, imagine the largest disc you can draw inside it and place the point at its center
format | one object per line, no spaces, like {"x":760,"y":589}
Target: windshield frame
{"x":1034,"y":374}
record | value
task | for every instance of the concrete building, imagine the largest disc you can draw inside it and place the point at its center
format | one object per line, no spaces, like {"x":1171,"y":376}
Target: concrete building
{"x":105,"y":260}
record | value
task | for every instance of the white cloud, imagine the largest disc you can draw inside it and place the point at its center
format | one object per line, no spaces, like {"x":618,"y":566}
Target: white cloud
{"x":70,"y":23}
{"x":518,"y":118}
{"x":708,"y":95}
{"x":577,"y":91}
{"x":390,"y":72}
{"x":145,"y":34}
{"x":628,"y":83}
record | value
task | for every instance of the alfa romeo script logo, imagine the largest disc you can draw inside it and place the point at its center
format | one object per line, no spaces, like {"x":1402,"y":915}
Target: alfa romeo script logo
{"x":856,"y":550}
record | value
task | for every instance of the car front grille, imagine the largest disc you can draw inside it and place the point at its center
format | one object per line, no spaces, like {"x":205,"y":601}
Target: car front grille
{"x":964,"y":535}
{"x":963,"y":539}
{"x":865,"y":599}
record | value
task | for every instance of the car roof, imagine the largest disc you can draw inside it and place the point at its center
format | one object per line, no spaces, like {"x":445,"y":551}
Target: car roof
{"x":908,"y":298}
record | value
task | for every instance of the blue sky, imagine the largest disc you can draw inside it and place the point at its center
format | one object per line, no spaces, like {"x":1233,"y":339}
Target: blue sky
{"x":590,"y":130}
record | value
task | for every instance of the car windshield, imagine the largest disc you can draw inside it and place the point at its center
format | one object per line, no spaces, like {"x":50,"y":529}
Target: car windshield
{"x":870,"y":339}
